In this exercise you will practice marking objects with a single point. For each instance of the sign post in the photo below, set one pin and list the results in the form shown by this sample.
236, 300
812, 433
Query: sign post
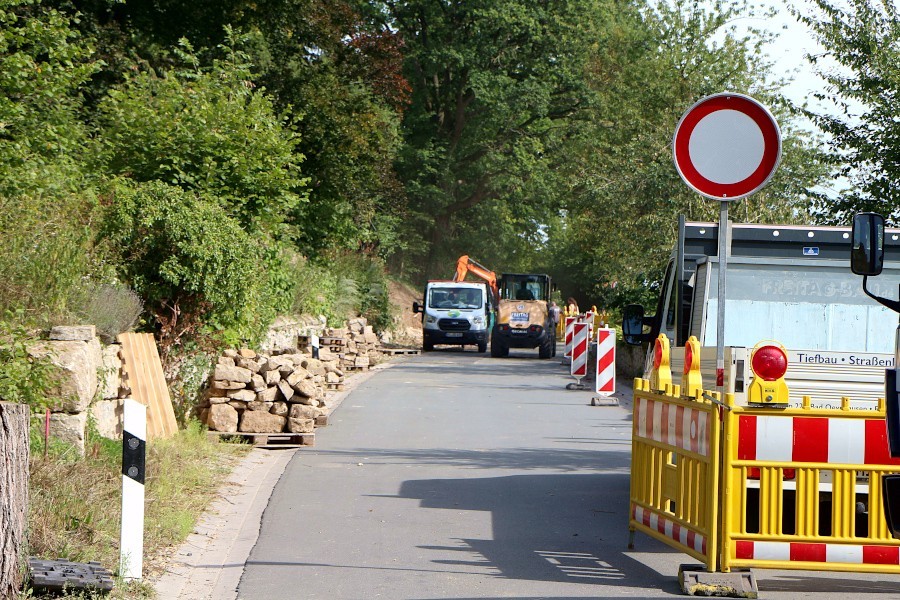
726, 147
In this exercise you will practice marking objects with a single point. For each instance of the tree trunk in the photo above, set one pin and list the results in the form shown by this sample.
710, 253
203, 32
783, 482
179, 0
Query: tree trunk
14, 454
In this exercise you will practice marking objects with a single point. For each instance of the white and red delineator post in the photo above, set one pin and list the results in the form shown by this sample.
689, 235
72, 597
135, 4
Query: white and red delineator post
580, 336
606, 362
570, 322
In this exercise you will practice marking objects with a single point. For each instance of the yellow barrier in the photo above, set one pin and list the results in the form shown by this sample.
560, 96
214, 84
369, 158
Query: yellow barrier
675, 471
802, 490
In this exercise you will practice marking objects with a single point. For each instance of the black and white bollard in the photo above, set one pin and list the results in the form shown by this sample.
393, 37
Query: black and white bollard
134, 451
314, 344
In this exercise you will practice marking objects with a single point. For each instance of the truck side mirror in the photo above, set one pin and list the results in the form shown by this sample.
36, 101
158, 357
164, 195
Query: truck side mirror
417, 308
890, 493
633, 324
867, 246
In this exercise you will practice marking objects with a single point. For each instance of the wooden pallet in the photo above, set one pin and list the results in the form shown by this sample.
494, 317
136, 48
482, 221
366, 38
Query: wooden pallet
334, 387
399, 351
322, 421
280, 440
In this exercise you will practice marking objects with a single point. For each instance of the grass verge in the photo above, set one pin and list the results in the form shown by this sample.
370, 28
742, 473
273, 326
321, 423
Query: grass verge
75, 505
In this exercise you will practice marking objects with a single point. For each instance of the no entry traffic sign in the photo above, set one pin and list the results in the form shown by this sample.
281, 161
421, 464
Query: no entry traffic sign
727, 146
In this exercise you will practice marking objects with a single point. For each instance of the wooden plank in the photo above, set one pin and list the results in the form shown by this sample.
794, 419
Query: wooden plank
143, 369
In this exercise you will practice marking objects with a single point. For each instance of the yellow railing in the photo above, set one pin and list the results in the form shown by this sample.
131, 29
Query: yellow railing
674, 474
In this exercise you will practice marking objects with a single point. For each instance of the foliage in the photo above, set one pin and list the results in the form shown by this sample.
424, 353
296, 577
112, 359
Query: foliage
112, 307
46, 202
192, 263
206, 129
497, 86
24, 379
863, 38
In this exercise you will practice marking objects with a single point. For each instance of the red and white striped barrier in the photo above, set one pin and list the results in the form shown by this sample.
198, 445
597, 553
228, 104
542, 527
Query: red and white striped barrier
570, 324
606, 362
683, 427
670, 529
814, 439
579, 350
820, 553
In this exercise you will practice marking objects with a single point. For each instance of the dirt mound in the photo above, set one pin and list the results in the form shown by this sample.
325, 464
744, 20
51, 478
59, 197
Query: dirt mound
407, 330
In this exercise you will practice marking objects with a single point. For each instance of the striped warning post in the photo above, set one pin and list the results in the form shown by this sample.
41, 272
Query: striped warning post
606, 362
134, 450
579, 350
570, 324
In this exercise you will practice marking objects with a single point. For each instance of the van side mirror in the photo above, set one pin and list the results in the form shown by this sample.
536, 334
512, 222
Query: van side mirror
417, 308
867, 246
633, 324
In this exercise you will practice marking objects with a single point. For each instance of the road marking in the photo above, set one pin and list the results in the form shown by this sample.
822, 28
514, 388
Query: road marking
581, 564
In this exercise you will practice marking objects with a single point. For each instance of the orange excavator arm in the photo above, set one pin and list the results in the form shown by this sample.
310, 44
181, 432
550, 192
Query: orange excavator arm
465, 265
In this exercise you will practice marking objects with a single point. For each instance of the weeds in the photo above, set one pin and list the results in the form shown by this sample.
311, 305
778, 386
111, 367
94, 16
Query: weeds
112, 308
75, 507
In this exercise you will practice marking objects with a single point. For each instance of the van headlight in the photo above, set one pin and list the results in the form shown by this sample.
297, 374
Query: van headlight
479, 321
430, 319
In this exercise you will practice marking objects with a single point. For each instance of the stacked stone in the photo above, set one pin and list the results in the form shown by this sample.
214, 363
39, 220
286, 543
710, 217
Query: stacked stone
258, 393
360, 347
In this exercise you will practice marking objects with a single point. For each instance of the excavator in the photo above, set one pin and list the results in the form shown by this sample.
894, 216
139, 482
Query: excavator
522, 314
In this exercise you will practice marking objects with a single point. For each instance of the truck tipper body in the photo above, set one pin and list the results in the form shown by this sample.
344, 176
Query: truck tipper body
790, 284
457, 313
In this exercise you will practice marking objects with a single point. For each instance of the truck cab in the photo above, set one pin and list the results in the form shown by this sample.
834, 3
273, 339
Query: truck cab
786, 283
458, 313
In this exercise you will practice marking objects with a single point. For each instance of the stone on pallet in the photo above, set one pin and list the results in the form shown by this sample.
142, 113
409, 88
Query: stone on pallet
226, 386
332, 378
246, 363
272, 377
297, 376
257, 383
257, 421
242, 395
301, 425
276, 363
225, 373
279, 408
222, 417
306, 388
287, 392
267, 395
302, 411
73, 333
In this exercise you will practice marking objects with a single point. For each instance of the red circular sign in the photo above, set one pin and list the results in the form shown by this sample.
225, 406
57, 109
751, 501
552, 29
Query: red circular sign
727, 146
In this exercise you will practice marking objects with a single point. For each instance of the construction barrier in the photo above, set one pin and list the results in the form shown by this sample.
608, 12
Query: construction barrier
674, 471
570, 330
758, 486
803, 490
605, 382
580, 337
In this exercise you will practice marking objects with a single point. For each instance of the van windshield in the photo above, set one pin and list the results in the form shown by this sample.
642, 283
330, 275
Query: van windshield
455, 297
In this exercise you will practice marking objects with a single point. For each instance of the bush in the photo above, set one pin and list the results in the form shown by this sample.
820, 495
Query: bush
112, 308
24, 379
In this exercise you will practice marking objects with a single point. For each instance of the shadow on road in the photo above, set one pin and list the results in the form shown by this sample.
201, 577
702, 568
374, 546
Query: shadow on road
547, 527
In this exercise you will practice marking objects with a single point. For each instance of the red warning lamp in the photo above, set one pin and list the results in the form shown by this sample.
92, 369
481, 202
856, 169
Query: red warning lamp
657, 354
769, 362
688, 358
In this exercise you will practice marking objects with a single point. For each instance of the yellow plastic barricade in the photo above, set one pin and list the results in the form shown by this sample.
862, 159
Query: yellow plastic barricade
802, 490
674, 471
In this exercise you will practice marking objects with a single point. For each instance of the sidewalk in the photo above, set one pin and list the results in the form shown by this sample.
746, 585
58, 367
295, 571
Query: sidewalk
210, 562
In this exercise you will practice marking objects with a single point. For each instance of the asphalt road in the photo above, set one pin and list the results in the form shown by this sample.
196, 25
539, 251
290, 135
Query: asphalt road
457, 476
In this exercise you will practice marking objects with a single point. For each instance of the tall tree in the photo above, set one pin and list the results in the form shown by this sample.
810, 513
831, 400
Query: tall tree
626, 195
863, 38
497, 85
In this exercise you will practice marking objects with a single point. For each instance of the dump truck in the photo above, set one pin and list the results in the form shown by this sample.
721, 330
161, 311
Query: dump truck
786, 283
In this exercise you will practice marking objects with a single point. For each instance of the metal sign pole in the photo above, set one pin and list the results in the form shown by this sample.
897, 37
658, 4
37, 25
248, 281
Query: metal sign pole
720, 299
